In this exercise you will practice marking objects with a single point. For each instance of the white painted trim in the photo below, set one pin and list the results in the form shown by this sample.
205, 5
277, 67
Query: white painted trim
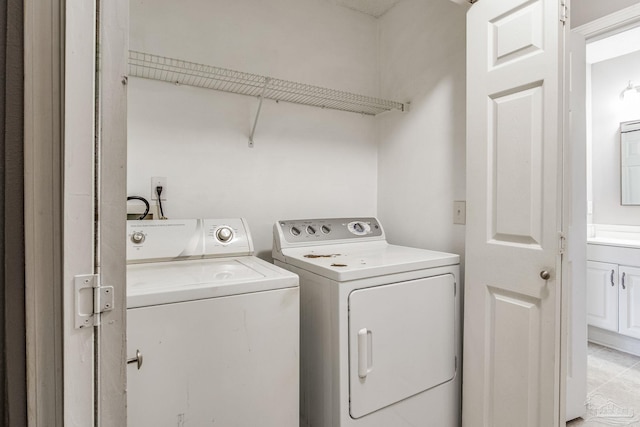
619, 19
112, 212
574, 270
78, 206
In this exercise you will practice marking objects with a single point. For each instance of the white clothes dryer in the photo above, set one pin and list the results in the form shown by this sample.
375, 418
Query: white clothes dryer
212, 331
380, 326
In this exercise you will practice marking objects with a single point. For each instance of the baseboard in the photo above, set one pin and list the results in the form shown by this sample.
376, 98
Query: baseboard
613, 340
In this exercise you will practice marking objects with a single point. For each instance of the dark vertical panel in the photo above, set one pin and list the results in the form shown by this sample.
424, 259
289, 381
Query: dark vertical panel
3, 84
12, 270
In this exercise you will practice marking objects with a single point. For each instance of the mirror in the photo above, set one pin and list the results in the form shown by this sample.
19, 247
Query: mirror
630, 162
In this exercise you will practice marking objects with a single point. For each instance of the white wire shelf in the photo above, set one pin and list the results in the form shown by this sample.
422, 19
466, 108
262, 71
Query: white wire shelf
172, 70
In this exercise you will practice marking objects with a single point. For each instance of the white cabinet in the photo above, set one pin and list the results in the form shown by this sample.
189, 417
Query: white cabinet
629, 301
602, 295
613, 289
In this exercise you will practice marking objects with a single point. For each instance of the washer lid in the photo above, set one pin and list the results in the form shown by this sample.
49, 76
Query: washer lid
176, 281
351, 261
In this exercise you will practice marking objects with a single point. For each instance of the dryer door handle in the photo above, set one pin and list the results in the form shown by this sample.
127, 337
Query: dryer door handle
365, 359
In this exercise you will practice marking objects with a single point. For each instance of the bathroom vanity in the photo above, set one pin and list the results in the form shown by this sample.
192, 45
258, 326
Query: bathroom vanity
613, 287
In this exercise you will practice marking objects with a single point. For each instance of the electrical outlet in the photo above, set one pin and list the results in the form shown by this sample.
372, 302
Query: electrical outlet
459, 212
159, 181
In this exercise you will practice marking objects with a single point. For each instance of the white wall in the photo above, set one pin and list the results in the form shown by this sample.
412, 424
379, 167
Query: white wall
608, 78
584, 11
422, 153
407, 168
307, 162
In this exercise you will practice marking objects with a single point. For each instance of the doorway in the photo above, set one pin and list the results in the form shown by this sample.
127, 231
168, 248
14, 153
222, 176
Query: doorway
613, 354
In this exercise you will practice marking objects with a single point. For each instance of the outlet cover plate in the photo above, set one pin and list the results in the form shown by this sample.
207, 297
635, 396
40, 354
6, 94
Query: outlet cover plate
159, 181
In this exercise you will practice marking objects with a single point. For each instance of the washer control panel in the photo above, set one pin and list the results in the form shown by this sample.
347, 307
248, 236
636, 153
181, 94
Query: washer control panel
190, 238
326, 230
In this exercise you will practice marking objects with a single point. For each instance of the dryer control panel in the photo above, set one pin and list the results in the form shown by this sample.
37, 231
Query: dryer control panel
327, 230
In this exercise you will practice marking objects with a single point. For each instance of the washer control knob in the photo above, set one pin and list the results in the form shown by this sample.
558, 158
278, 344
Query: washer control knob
325, 229
224, 234
137, 237
311, 230
295, 231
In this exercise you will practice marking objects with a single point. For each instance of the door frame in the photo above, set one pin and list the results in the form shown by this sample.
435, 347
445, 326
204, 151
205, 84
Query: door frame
595, 29
111, 200
574, 375
63, 382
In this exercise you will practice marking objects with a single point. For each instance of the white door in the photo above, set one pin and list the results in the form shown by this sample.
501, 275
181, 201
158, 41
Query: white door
95, 211
512, 354
629, 301
401, 341
602, 295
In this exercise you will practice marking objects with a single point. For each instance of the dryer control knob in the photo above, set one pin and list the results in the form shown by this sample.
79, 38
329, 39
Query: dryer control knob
137, 237
295, 231
359, 228
224, 234
311, 229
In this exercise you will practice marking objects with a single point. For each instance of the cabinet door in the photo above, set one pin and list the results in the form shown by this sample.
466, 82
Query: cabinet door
602, 295
629, 301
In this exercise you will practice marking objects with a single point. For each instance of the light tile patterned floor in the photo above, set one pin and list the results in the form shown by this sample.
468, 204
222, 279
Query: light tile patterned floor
613, 389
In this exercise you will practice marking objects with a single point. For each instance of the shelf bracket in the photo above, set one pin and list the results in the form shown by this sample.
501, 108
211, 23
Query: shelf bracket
255, 122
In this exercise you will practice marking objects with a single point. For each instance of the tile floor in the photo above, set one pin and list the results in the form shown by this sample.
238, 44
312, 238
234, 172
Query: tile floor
613, 389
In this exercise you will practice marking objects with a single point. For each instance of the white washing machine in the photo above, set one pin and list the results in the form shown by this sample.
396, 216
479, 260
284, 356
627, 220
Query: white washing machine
213, 332
380, 326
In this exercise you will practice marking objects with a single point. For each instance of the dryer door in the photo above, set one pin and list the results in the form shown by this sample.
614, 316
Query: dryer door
401, 341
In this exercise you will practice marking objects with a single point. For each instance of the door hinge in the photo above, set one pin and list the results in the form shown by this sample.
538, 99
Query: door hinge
92, 300
562, 243
564, 12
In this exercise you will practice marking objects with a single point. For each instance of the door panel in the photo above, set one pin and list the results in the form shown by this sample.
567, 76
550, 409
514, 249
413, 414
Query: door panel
514, 145
629, 292
516, 33
516, 183
602, 295
515, 321
401, 341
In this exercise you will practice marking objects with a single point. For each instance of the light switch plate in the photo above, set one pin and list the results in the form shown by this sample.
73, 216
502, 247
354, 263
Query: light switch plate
459, 212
